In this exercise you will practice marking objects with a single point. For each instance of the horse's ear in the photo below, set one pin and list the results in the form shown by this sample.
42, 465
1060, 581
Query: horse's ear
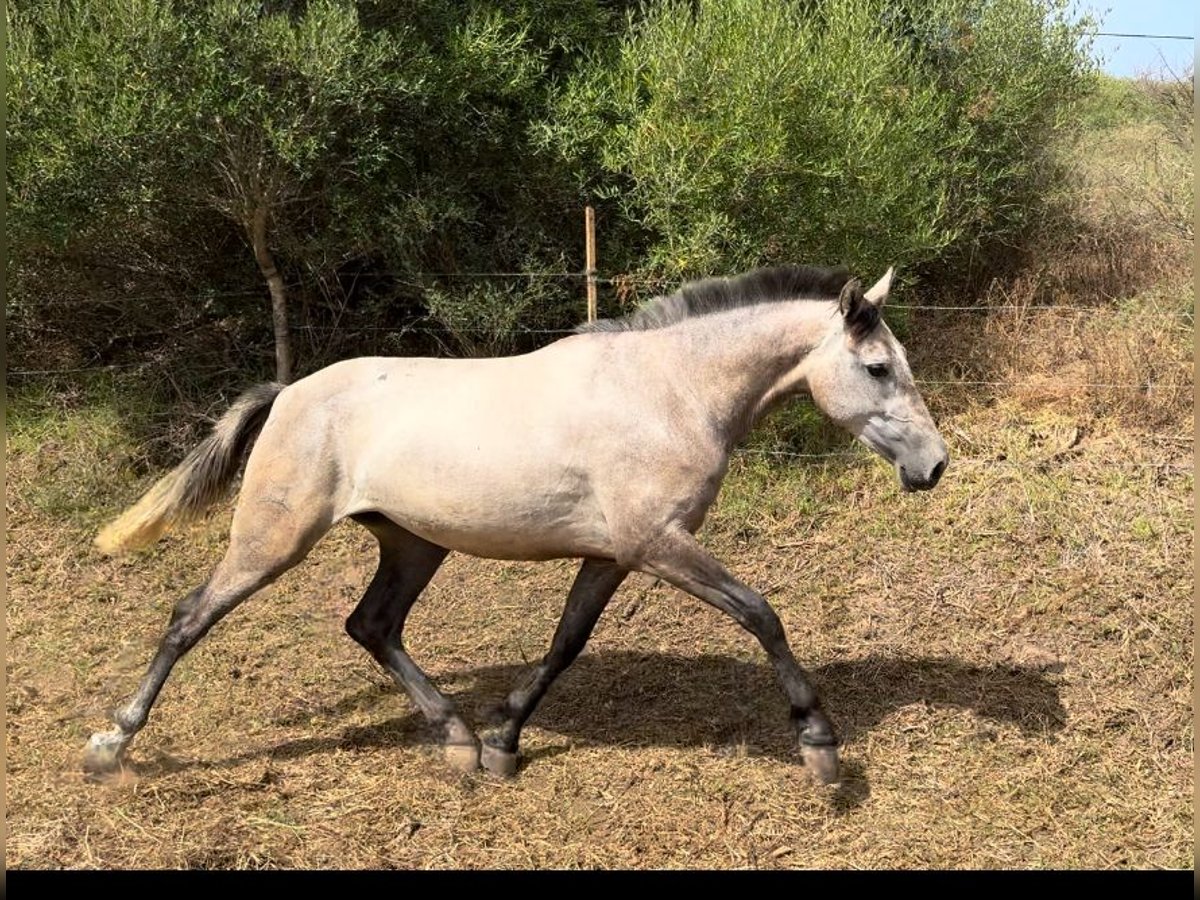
850, 298
879, 290
859, 313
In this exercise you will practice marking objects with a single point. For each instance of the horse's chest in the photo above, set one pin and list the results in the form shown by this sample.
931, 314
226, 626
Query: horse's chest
704, 489
679, 490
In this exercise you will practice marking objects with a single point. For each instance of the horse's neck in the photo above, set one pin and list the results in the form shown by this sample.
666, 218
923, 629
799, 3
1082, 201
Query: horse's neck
741, 363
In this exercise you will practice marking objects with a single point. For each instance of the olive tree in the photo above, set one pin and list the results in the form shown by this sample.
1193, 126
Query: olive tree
140, 111
864, 132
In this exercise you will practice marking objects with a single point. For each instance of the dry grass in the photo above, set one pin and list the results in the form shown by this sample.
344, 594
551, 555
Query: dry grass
1129, 362
1009, 658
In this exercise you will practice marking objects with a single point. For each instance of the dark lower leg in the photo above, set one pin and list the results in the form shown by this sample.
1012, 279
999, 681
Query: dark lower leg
687, 565
812, 726
406, 565
190, 621
593, 588
437, 708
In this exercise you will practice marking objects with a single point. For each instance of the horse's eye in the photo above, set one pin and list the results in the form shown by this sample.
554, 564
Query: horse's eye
877, 370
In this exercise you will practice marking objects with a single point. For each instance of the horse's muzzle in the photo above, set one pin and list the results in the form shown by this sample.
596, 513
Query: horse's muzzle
911, 482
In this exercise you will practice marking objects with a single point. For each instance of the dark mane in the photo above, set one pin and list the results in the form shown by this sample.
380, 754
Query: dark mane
713, 295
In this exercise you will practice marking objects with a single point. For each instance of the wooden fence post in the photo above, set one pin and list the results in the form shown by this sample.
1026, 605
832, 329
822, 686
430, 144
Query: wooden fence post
589, 221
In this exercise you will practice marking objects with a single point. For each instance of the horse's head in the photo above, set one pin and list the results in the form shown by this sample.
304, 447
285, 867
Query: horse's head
859, 377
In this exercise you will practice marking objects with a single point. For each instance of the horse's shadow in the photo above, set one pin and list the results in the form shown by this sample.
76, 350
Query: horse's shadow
663, 700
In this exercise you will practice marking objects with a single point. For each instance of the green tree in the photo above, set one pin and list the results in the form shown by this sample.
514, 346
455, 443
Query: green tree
289, 110
866, 132
314, 148
138, 111
391, 138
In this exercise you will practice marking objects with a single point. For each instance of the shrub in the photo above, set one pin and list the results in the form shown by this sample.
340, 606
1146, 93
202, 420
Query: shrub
871, 133
345, 145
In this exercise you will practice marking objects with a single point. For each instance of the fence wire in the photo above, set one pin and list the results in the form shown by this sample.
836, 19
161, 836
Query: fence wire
68, 302
229, 361
958, 461
1144, 386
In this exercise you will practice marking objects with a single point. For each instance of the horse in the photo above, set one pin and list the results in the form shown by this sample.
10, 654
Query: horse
608, 446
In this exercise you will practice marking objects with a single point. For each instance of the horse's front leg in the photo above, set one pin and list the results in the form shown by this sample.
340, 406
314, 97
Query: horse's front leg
678, 558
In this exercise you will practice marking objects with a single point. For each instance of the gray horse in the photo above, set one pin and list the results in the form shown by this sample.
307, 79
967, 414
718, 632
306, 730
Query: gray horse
609, 445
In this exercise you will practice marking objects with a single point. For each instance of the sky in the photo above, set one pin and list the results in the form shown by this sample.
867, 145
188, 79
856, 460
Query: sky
1136, 56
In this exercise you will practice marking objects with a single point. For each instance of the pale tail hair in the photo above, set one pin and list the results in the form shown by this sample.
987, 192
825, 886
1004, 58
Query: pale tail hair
202, 479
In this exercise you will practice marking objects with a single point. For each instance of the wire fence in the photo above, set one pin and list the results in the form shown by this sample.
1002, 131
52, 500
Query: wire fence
1025, 464
422, 279
1142, 386
514, 332
853, 453
225, 360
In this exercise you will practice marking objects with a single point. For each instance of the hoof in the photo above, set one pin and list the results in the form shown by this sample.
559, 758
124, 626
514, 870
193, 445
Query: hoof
822, 762
498, 762
463, 757
102, 755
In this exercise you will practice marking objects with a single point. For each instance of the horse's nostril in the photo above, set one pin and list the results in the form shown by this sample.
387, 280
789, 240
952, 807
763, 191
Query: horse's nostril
937, 471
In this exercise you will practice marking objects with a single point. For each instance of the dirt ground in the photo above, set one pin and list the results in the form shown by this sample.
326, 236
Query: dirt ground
1008, 659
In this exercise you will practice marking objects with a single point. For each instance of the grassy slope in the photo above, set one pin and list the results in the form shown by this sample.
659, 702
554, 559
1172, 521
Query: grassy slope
1009, 658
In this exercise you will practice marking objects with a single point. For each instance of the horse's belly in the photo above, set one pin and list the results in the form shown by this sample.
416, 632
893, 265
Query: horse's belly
502, 459
528, 545
495, 518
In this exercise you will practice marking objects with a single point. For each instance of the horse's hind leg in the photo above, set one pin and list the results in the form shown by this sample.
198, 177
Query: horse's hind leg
594, 586
406, 565
263, 545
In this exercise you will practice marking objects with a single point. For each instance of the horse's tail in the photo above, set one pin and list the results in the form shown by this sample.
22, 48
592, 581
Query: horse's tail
199, 481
